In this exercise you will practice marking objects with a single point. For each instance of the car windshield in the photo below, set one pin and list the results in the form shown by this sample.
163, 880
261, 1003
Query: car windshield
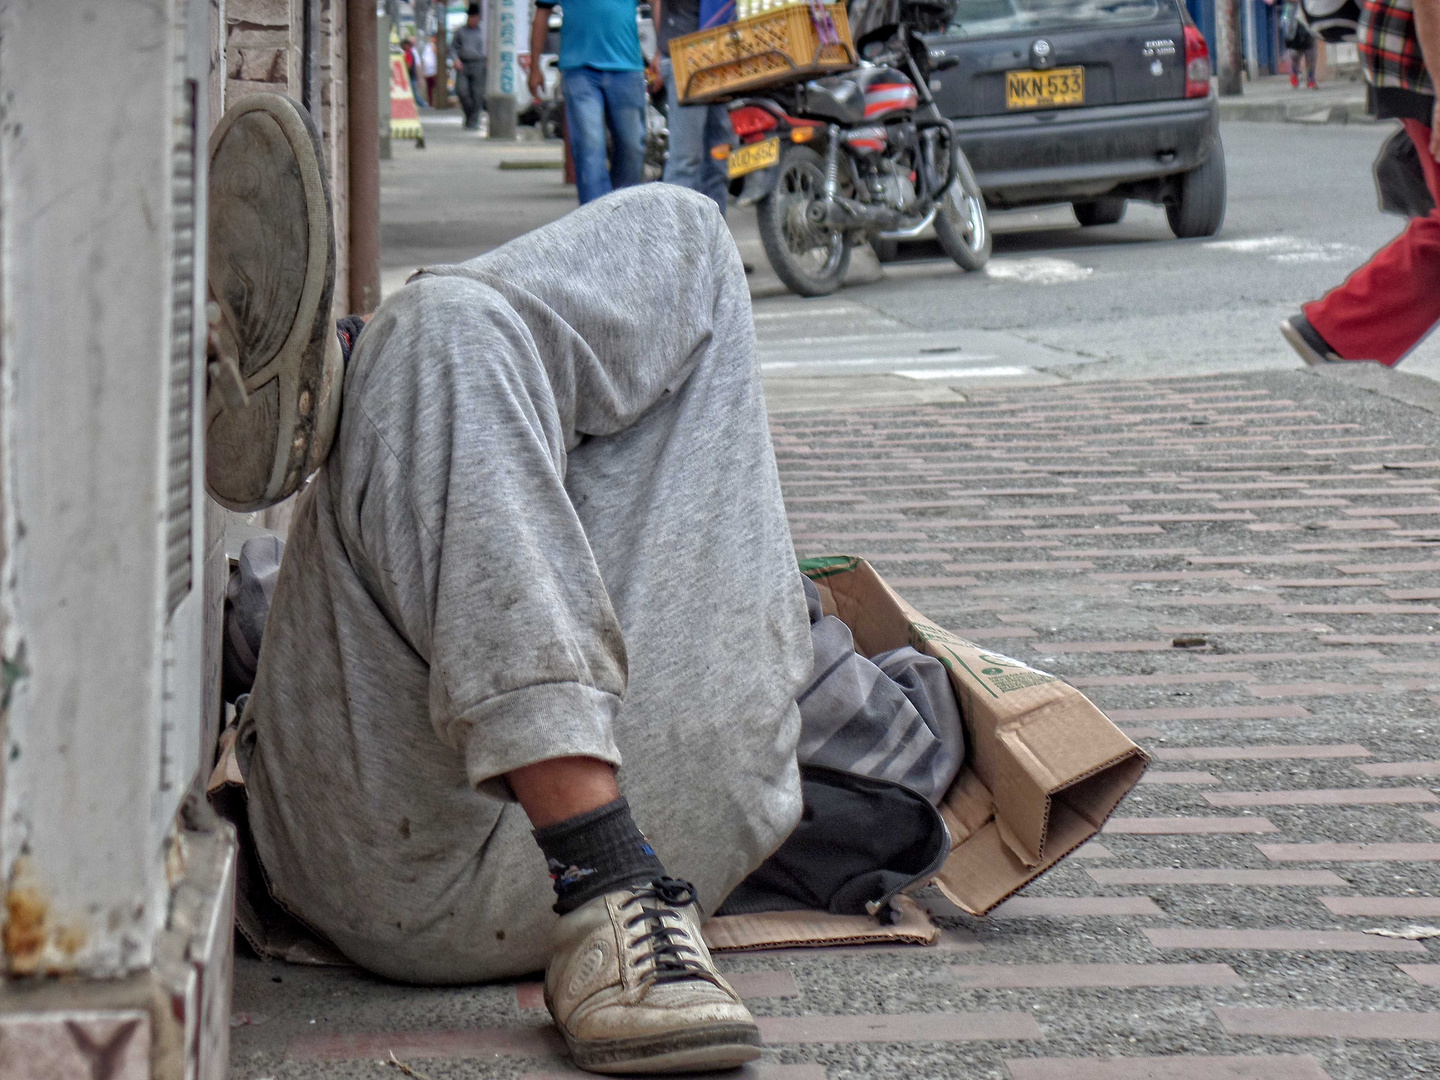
980, 18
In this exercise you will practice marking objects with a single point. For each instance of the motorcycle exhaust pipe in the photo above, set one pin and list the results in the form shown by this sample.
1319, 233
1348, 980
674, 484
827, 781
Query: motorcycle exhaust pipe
913, 231
843, 213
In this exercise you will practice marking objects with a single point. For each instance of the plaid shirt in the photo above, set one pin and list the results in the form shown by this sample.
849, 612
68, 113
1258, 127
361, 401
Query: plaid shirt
1389, 47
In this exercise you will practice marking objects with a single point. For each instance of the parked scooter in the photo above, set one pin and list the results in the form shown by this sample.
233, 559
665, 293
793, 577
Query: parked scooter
861, 155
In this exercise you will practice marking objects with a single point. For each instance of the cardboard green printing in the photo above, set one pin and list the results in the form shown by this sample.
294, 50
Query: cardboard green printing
1044, 767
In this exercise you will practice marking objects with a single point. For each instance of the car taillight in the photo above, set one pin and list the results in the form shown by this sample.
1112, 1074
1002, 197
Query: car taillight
1197, 64
751, 120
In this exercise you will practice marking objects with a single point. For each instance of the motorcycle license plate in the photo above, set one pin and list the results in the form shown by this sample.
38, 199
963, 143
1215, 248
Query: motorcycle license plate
754, 157
1044, 89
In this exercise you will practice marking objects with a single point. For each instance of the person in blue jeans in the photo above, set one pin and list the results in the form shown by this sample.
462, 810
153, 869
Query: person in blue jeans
604, 87
693, 129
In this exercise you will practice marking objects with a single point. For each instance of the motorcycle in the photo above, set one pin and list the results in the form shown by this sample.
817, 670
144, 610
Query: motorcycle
864, 155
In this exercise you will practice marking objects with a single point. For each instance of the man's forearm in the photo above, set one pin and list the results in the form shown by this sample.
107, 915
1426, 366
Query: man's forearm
539, 31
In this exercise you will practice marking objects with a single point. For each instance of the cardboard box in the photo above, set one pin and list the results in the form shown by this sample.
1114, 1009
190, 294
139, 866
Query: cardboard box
810, 929
1044, 767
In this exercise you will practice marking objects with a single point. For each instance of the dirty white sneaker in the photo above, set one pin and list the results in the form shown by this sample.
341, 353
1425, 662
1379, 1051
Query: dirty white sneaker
632, 988
275, 381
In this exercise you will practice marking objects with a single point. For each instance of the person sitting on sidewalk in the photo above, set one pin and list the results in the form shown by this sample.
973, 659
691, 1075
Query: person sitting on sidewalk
1388, 306
468, 49
544, 561
692, 129
604, 87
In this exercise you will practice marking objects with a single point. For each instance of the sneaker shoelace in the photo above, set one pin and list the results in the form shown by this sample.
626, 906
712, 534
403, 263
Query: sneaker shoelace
668, 945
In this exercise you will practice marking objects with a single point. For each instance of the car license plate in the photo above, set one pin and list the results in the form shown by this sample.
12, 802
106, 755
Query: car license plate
1042, 89
755, 156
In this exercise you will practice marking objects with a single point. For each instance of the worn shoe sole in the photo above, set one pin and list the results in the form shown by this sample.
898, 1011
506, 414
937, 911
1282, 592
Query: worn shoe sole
1301, 346
271, 270
696, 1049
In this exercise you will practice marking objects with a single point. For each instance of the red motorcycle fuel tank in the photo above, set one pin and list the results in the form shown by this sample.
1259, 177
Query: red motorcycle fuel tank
887, 92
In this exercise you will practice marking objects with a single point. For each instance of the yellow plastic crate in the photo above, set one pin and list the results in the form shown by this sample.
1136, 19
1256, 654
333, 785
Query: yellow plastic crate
776, 47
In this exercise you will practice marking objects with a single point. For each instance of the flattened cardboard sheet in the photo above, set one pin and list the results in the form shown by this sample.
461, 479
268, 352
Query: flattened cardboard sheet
814, 929
1044, 767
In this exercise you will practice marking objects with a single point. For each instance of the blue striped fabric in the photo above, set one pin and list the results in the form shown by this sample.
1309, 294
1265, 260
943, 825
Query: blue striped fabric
893, 717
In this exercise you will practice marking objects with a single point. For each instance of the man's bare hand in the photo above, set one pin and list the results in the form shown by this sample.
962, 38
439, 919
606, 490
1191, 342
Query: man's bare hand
1435, 131
539, 33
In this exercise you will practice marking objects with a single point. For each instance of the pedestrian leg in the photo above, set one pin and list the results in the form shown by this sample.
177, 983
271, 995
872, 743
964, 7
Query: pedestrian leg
585, 121
687, 157
1385, 308
464, 90
716, 177
625, 103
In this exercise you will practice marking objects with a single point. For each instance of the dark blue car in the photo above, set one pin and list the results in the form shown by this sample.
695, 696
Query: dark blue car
1090, 102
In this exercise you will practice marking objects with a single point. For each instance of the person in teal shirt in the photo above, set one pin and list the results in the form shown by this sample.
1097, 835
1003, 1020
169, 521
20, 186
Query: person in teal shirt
604, 87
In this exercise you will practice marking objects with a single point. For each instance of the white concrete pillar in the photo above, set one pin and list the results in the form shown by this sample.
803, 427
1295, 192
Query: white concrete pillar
102, 255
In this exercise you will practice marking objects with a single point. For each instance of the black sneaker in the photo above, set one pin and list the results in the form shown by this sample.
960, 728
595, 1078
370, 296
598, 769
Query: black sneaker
1306, 341
274, 396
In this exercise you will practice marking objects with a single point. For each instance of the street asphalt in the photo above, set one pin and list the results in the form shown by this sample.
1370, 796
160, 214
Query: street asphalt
1056, 303
1096, 447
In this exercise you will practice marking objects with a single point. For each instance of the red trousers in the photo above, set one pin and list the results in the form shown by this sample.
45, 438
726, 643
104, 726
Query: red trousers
1387, 306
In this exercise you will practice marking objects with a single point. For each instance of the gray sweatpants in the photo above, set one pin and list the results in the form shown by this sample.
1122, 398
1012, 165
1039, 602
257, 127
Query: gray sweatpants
551, 525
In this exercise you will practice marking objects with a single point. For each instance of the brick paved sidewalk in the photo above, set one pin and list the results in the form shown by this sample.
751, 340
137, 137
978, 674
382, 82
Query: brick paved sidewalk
1281, 519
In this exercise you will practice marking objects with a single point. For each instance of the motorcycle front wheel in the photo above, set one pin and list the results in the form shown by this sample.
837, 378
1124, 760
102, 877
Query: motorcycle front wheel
810, 259
960, 222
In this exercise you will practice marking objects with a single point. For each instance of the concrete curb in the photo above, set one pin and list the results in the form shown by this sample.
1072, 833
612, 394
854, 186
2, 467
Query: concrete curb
1414, 390
1349, 111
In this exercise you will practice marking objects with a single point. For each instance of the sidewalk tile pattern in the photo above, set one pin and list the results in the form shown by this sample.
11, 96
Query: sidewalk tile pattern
1274, 937
758, 1070
1401, 768
1217, 876
1188, 826
1000, 976
898, 1027
1279, 526
1331, 1024
1177, 1067
1029, 907
1351, 852
1322, 797
1399, 907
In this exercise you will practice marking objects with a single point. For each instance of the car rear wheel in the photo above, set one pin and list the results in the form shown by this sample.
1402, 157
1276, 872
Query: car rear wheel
1200, 208
1099, 211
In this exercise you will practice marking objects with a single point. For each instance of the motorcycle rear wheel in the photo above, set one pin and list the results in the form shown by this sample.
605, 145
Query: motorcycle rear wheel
961, 225
810, 259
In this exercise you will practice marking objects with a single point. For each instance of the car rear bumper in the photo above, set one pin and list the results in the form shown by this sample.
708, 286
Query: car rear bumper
1083, 153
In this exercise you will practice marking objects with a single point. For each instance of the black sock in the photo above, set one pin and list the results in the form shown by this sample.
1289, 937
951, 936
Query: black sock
596, 852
